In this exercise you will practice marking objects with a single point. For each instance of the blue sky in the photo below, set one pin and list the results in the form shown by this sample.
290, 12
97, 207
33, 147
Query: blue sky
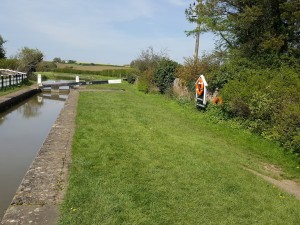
99, 31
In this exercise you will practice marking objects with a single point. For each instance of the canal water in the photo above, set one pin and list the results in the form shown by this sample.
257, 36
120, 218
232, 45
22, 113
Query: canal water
23, 129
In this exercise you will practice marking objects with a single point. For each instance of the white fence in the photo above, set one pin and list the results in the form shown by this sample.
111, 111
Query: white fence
10, 78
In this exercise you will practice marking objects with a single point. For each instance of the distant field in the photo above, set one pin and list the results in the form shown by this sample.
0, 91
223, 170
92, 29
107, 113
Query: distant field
95, 67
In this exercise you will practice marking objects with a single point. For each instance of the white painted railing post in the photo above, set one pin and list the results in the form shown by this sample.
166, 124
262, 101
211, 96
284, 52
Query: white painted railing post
118, 81
39, 79
77, 79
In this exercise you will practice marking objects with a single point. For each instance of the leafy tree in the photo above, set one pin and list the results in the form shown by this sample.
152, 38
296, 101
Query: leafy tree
71, 61
57, 60
253, 26
2, 50
29, 59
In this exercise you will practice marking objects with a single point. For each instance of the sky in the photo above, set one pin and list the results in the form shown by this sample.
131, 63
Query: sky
99, 31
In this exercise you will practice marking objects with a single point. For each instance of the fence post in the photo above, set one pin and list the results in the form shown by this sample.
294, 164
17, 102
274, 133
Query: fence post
9, 80
2, 81
39, 79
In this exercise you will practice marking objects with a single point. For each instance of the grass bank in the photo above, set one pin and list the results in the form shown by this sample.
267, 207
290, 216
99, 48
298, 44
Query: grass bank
15, 88
142, 159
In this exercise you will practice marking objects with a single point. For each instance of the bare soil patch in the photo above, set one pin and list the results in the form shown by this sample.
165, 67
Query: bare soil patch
289, 186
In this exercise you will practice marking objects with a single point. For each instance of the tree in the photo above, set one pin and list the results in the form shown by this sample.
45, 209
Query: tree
57, 60
29, 59
252, 26
193, 15
2, 50
72, 61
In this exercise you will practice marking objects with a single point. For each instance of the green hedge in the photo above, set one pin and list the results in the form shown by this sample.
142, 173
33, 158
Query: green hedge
9, 64
268, 102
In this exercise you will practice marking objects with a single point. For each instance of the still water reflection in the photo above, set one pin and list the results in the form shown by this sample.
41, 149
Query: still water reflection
23, 130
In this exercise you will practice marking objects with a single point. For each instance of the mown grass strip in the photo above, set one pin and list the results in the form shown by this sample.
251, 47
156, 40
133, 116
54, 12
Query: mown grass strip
142, 159
14, 88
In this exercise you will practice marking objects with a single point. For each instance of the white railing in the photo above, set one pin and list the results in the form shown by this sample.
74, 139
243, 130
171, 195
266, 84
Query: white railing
10, 78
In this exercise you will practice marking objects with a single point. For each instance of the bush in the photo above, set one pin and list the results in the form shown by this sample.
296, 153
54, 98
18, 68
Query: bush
148, 59
268, 101
9, 64
46, 66
146, 81
164, 74
131, 77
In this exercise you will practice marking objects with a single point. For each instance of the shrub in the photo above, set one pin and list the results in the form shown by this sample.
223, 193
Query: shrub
188, 73
9, 64
164, 74
46, 66
148, 59
146, 81
131, 78
268, 101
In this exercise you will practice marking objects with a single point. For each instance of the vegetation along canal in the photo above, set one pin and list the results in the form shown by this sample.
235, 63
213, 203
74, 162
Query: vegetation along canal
23, 130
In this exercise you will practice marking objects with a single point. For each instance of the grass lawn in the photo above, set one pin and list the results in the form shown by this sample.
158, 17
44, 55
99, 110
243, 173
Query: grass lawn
143, 159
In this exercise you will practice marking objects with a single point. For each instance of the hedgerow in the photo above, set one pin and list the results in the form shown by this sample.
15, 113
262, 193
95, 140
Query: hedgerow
9, 64
268, 102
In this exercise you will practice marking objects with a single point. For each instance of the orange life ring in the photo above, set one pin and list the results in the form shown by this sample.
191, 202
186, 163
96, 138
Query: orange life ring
199, 86
218, 100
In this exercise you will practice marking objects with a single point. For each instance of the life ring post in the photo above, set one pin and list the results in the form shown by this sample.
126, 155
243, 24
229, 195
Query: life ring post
201, 90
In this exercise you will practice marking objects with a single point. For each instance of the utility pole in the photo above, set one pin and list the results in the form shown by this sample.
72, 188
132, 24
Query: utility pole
197, 43
196, 16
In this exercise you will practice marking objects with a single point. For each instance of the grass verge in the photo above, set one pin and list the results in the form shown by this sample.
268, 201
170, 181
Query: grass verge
142, 159
15, 88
